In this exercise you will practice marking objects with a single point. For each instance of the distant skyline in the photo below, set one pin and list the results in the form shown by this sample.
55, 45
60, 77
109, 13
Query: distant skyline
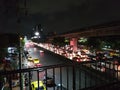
59, 16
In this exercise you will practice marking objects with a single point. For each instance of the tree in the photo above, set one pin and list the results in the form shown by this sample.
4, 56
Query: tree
94, 43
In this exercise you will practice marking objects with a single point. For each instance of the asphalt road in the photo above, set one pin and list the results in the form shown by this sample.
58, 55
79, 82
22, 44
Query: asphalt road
83, 78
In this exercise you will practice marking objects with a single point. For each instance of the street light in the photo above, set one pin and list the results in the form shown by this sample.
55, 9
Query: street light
37, 33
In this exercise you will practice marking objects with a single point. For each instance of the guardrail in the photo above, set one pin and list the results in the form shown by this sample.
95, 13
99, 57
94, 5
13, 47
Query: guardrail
59, 77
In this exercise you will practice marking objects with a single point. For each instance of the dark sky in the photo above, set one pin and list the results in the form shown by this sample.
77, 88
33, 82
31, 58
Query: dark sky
56, 15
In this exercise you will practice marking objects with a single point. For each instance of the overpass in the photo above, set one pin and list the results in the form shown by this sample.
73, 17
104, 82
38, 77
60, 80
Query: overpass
109, 29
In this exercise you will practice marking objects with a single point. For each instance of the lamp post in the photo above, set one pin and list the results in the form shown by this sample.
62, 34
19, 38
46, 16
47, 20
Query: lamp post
38, 33
20, 62
37, 36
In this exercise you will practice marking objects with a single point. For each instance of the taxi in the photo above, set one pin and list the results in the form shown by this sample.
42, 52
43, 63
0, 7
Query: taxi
30, 58
36, 61
34, 85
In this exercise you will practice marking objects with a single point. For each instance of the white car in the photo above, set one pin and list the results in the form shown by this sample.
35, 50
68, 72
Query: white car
98, 67
15, 83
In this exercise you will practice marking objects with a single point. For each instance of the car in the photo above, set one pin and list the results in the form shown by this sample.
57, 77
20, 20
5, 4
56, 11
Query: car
15, 83
34, 85
30, 58
38, 65
76, 59
36, 61
99, 67
41, 53
49, 81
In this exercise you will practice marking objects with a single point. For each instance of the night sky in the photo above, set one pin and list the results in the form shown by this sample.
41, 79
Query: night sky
56, 15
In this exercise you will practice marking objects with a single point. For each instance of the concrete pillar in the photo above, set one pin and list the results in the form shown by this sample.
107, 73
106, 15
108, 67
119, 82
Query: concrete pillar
73, 42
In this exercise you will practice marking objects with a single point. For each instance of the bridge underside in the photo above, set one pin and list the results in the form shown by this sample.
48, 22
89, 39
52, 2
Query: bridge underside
109, 31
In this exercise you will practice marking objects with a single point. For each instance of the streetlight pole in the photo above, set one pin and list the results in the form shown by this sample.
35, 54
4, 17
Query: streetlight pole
20, 63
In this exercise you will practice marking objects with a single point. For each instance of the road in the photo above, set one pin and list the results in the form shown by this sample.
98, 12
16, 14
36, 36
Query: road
83, 78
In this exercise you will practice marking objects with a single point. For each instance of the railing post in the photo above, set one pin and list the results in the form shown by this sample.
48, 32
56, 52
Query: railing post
46, 78
29, 74
10, 81
67, 77
61, 77
54, 77
38, 79
21, 82
74, 76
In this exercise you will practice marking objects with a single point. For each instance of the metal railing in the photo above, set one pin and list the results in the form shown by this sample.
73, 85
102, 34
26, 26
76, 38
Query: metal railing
74, 76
